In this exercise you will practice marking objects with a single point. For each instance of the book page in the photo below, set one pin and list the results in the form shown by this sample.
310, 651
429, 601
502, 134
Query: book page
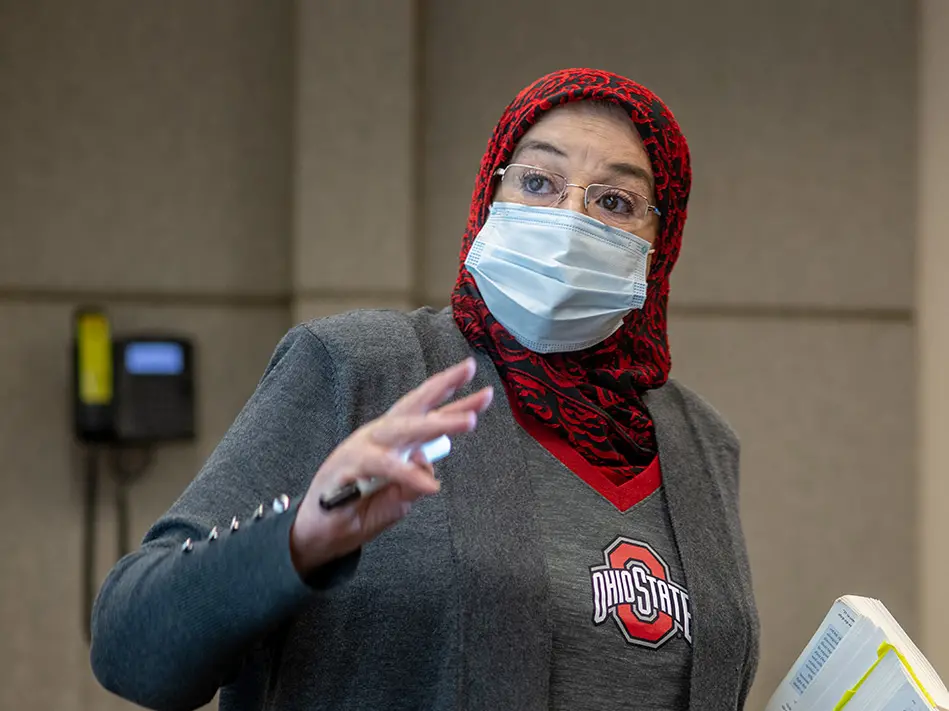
843, 649
835, 627
906, 698
878, 689
855, 657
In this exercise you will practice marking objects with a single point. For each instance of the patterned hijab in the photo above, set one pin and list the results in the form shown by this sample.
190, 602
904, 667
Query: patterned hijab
591, 398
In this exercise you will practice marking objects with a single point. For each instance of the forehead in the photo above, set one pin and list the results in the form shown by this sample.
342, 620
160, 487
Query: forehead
590, 130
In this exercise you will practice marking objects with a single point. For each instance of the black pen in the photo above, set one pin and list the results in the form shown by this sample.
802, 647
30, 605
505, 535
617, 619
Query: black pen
433, 451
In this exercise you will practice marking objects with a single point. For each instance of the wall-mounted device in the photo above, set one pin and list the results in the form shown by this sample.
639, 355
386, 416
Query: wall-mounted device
154, 389
129, 394
134, 389
92, 376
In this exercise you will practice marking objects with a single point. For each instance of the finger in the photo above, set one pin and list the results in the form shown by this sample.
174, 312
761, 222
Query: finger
387, 465
436, 389
419, 460
385, 509
403, 433
406, 498
476, 402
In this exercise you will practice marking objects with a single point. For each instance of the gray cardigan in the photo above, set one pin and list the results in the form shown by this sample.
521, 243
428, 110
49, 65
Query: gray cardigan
446, 610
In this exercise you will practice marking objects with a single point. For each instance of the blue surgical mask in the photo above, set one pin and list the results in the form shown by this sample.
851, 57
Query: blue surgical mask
557, 280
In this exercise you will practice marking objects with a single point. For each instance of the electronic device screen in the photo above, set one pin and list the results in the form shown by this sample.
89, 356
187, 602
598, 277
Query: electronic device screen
154, 358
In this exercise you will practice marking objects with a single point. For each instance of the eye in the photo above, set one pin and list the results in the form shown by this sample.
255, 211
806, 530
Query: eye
537, 183
617, 202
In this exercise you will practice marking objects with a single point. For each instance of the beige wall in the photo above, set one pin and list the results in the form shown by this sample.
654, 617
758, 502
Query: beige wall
932, 294
145, 155
355, 213
229, 167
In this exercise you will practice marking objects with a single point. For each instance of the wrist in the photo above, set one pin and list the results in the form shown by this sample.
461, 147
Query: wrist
308, 549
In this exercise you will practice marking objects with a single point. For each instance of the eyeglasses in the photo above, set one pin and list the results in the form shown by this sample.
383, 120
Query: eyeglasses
617, 207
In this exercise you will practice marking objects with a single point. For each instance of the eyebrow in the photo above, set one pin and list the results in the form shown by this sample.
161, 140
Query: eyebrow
632, 171
535, 145
624, 169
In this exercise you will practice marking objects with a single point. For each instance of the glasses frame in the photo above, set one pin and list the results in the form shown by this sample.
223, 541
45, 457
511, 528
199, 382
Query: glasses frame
650, 208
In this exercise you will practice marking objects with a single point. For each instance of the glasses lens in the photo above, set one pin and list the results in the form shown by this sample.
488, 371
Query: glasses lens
616, 206
532, 186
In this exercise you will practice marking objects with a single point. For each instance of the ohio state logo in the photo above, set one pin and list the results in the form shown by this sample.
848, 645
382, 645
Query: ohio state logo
634, 588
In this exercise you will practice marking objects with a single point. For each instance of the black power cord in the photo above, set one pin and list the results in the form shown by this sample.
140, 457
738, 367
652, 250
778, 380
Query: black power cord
91, 495
128, 464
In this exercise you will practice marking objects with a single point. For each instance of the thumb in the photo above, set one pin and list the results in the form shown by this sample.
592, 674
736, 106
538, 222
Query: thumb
386, 508
419, 459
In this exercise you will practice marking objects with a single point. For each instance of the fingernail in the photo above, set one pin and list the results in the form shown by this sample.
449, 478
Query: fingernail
406, 507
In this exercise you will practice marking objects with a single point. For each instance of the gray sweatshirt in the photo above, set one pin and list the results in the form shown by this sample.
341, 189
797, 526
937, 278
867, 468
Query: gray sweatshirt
449, 609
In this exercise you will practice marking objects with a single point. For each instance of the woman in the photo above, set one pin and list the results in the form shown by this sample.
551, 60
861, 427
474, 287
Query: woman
585, 549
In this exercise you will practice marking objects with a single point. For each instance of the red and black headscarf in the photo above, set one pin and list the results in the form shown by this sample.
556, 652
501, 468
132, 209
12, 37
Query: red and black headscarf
592, 398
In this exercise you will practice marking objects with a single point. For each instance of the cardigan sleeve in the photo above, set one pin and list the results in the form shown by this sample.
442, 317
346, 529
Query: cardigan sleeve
174, 620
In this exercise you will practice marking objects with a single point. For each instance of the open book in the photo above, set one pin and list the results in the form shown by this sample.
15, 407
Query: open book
860, 659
